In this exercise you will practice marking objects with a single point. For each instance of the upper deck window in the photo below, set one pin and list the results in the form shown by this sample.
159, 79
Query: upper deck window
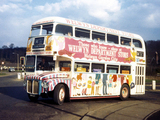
112, 38
64, 30
137, 43
82, 33
47, 29
125, 41
98, 36
35, 30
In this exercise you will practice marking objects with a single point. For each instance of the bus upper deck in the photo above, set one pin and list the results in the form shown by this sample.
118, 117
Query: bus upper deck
43, 34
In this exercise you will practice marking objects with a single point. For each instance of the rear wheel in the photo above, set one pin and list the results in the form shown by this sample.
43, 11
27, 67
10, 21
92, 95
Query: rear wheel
33, 97
125, 93
59, 94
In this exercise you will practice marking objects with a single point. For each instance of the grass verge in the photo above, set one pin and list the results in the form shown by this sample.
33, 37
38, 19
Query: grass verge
2, 74
150, 81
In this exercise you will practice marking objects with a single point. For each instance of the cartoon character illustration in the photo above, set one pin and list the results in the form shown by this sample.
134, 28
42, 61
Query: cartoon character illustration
84, 87
49, 42
134, 53
114, 77
110, 86
84, 84
92, 88
98, 76
131, 83
89, 85
115, 89
100, 84
105, 84
74, 82
79, 84
119, 81
122, 79
133, 56
29, 45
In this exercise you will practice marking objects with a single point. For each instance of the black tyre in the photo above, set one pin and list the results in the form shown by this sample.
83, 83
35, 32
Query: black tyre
59, 94
125, 92
33, 98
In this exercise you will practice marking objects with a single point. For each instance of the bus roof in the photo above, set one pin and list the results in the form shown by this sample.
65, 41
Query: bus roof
85, 25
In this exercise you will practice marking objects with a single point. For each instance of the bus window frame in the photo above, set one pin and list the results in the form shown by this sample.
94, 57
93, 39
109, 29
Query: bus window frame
60, 67
111, 65
110, 41
89, 32
124, 39
46, 25
96, 68
82, 63
34, 26
130, 68
99, 34
66, 34
137, 40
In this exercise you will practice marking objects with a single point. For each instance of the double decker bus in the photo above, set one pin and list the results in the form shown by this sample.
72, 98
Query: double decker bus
68, 59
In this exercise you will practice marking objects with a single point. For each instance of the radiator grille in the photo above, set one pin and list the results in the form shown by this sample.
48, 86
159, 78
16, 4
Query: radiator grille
32, 86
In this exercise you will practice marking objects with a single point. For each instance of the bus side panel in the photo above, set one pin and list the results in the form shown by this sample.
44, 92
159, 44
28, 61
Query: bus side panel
98, 84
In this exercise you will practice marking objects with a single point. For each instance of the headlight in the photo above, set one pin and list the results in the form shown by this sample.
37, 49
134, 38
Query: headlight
24, 82
44, 84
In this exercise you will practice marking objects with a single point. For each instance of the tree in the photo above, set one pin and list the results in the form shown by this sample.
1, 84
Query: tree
4, 47
11, 46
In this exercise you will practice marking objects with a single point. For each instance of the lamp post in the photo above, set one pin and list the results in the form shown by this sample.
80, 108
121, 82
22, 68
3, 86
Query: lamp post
2, 66
17, 60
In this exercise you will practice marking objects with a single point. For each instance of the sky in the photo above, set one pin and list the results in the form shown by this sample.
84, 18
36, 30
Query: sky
135, 16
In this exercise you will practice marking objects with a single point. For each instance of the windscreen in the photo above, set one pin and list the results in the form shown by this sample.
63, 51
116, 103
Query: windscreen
35, 30
30, 64
46, 29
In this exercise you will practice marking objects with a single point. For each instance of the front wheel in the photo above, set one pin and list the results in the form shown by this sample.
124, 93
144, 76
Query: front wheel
59, 94
125, 92
33, 98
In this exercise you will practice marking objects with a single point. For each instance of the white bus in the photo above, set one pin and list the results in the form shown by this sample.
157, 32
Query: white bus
68, 59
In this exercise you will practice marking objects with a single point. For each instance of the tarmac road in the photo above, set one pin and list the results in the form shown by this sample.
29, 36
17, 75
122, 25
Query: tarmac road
14, 104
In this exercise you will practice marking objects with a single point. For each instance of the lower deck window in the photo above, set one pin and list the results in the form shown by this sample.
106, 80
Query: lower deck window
125, 69
112, 68
65, 65
97, 67
45, 63
81, 67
